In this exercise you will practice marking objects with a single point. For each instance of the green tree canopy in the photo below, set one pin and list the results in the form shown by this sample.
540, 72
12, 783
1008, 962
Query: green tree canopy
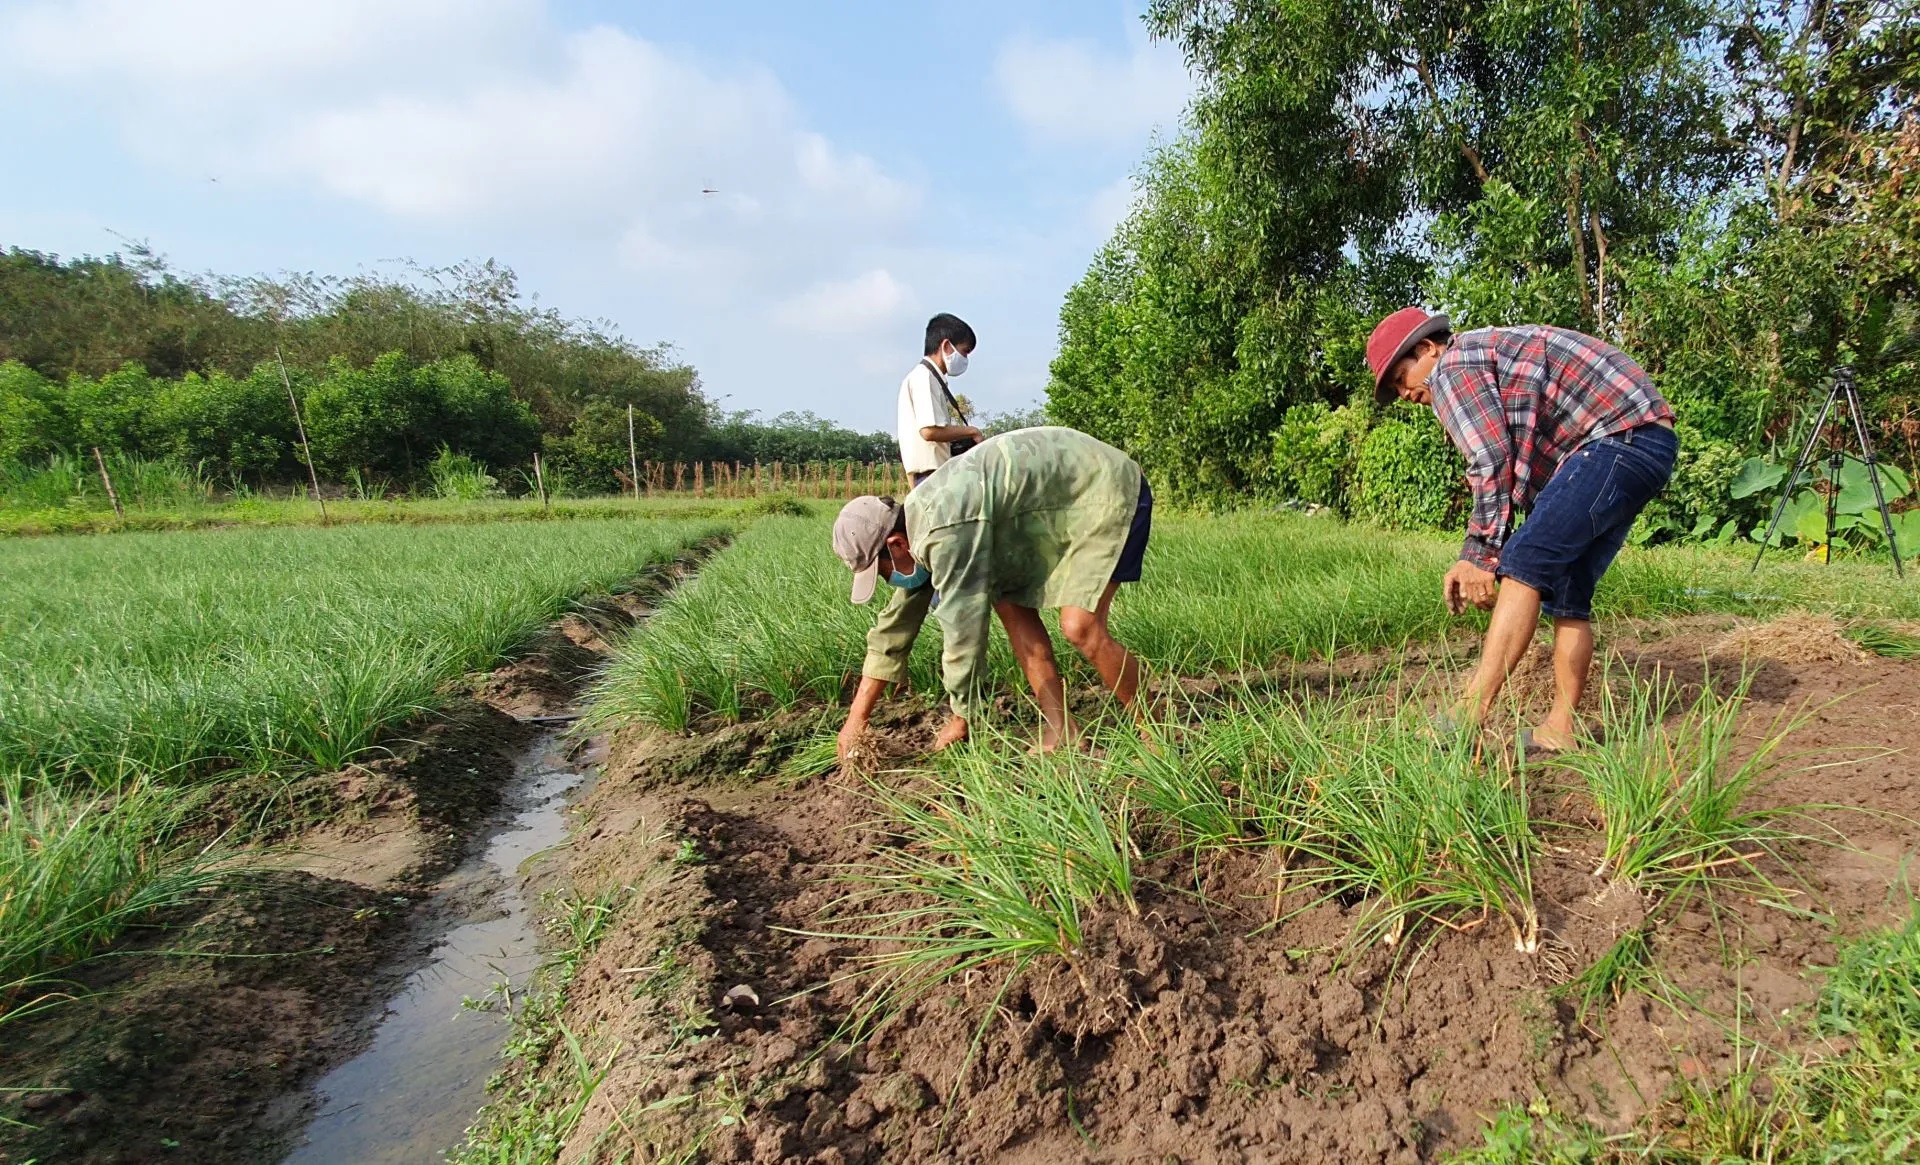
1721, 186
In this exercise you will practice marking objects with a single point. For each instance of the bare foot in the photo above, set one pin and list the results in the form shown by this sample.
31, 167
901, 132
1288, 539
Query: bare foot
1553, 739
951, 734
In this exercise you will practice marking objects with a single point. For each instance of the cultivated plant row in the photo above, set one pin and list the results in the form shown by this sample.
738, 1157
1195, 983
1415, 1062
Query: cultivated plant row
767, 625
1004, 860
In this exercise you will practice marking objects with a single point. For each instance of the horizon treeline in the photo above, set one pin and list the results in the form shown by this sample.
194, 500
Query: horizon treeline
124, 353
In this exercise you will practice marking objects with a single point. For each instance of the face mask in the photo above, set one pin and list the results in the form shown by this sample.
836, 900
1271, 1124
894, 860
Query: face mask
957, 363
910, 582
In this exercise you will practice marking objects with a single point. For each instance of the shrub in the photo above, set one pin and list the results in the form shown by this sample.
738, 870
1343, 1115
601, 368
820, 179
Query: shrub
594, 452
33, 423
478, 413
230, 428
1315, 450
459, 477
1407, 476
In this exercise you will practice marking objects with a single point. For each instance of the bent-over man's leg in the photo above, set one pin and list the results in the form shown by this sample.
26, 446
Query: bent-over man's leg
1572, 663
1088, 632
1516, 615
1555, 562
1033, 648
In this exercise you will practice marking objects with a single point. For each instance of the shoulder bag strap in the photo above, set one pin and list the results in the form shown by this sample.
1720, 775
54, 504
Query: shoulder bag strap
942, 382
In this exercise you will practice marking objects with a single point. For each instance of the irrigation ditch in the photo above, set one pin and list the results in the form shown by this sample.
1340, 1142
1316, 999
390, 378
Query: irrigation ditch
344, 997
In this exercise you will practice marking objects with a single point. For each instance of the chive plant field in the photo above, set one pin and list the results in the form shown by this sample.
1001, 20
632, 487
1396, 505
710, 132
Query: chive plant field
1323, 828
1332, 810
162, 654
136, 669
768, 625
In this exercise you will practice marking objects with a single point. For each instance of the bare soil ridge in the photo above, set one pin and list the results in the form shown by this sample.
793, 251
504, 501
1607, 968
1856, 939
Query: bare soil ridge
1189, 1033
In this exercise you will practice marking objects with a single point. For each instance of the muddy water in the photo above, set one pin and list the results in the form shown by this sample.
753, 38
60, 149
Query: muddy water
410, 1097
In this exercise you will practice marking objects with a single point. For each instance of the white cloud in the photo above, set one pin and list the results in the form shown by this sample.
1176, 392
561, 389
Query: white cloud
343, 131
506, 119
1076, 92
864, 303
197, 51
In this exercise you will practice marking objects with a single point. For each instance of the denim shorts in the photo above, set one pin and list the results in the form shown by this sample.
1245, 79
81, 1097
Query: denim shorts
1134, 553
1580, 521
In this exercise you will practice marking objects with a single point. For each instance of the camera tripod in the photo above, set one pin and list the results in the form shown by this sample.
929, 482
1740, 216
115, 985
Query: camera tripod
1843, 386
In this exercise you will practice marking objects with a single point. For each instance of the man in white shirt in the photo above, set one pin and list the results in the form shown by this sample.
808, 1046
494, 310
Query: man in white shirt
929, 420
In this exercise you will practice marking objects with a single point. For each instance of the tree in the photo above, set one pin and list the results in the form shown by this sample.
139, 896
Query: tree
593, 454
1717, 185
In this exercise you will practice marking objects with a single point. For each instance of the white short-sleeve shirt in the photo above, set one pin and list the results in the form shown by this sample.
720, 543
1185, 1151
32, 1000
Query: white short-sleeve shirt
922, 405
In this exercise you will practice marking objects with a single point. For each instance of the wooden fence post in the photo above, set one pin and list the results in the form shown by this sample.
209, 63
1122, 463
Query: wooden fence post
108, 482
300, 423
633, 456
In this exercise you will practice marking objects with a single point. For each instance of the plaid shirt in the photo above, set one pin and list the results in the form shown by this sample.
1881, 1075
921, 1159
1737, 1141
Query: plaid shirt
1517, 401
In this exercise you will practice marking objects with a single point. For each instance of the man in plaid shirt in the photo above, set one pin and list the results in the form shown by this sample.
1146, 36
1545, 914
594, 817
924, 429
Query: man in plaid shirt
1554, 424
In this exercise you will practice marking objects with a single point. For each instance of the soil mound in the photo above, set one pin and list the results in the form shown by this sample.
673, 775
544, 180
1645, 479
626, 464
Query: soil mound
1201, 1030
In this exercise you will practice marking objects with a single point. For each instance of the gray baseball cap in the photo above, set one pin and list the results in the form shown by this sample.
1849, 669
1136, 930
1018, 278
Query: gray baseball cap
858, 535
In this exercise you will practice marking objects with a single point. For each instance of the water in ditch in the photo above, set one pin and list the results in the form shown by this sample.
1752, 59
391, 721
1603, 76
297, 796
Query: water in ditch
410, 1096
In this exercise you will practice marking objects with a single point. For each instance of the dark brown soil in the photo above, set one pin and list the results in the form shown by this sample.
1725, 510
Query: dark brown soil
198, 1037
1196, 1032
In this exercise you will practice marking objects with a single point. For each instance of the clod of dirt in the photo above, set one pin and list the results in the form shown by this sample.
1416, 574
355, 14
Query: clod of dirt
1797, 638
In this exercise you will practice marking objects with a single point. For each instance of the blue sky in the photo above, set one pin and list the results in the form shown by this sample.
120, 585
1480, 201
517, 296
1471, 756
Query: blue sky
875, 162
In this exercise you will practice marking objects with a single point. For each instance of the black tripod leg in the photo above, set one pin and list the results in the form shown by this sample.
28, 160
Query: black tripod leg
1793, 479
1873, 475
1836, 462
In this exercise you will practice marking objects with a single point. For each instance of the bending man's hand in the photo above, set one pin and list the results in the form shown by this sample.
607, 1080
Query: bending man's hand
1469, 586
865, 697
850, 734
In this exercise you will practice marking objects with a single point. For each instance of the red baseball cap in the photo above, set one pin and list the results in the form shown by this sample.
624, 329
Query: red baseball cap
1393, 338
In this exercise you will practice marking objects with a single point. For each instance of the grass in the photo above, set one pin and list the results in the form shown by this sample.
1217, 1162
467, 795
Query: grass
133, 669
1002, 855
76, 867
1423, 831
34, 520
173, 656
767, 625
1893, 642
1626, 966
1856, 1097
992, 871
1358, 799
1670, 794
